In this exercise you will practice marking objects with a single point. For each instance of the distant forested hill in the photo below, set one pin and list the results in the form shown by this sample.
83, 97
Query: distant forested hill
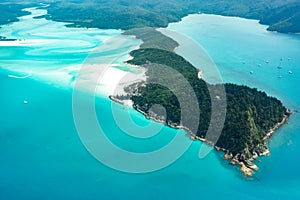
284, 19
281, 15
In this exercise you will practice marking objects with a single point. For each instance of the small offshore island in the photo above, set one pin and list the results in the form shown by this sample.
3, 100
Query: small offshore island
251, 118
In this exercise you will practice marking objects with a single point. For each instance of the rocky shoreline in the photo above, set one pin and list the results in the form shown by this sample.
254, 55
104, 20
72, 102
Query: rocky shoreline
243, 159
247, 167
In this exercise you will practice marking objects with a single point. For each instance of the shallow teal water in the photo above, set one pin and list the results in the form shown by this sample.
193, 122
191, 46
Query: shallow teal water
52, 53
240, 46
42, 156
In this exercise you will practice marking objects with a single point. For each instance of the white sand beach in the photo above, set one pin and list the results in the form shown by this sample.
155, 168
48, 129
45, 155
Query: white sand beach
107, 79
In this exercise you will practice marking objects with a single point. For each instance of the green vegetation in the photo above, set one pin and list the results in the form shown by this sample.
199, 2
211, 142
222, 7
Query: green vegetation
284, 19
250, 116
250, 113
153, 39
281, 15
10, 12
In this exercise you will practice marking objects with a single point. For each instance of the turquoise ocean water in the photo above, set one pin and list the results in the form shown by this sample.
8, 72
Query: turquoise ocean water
42, 156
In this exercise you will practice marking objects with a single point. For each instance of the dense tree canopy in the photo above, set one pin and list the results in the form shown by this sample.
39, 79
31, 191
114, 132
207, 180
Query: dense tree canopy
250, 113
281, 15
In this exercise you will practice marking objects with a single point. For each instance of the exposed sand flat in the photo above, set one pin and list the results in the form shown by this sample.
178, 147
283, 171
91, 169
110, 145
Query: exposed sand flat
128, 79
107, 79
57, 54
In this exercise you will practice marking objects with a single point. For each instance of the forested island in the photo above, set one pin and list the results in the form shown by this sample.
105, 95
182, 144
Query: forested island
251, 117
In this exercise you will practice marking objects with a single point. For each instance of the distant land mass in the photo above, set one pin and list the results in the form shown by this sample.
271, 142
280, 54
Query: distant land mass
10, 12
281, 15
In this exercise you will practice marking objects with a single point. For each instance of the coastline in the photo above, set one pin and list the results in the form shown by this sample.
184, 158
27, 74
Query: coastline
277, 176
244, 167
247, 167
196, 55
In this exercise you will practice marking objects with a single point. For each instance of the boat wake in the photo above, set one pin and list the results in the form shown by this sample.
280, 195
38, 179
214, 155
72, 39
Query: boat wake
19, 77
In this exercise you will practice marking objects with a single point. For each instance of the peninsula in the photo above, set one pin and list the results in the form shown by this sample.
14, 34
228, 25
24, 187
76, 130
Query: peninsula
251, 117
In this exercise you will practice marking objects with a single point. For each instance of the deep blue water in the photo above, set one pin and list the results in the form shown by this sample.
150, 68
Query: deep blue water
42, 156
